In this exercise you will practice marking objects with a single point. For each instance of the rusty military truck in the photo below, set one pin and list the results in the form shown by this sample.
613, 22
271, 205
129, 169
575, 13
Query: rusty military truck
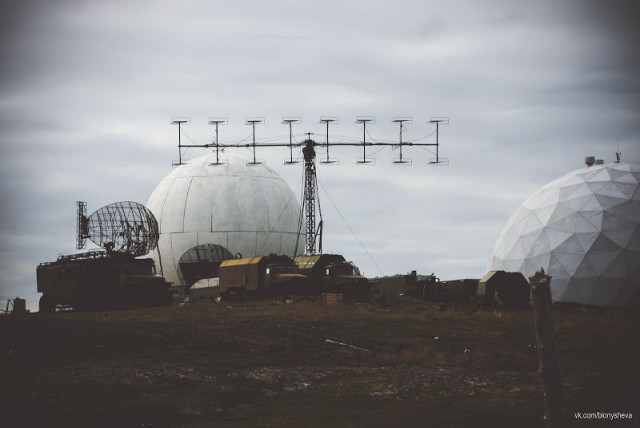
264, 275
332, 273
98, 280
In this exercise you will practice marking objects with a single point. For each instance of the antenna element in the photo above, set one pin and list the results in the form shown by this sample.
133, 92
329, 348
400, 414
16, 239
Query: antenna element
327, 120
217, 121
438, 121
290, 121
180, 121
364, 120
401, 121
252, 121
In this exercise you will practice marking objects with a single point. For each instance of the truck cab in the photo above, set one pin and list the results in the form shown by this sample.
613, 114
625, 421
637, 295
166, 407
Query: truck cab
282, 277
332, 273
272, 274
344, 277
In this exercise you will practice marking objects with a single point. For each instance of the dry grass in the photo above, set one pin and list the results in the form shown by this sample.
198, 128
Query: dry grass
269, 364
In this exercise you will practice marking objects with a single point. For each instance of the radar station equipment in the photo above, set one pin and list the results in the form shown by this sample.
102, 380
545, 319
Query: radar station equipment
310, 200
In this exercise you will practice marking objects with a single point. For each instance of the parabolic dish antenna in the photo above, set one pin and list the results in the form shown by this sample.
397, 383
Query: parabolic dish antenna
120, 227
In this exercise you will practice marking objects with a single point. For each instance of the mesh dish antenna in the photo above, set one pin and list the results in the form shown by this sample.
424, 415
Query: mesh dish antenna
120, 227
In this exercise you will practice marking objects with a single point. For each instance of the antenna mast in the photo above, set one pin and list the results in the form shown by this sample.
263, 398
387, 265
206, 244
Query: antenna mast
310, 192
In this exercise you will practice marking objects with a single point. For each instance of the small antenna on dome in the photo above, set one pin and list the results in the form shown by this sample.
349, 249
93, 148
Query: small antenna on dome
618, 152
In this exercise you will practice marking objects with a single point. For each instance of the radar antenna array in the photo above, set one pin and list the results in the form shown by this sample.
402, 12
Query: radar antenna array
313, 234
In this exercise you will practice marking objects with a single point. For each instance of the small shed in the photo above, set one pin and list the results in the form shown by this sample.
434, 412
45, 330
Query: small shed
506, 289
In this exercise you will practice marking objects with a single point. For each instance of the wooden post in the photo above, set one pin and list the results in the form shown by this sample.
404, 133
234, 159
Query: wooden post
549, 369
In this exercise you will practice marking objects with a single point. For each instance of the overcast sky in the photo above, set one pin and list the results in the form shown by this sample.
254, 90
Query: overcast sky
87, 91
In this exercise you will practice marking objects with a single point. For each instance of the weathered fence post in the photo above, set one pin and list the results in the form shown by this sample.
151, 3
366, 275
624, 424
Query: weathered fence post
549, 369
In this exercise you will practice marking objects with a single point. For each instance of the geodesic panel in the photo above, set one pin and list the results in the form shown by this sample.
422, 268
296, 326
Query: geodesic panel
584, 230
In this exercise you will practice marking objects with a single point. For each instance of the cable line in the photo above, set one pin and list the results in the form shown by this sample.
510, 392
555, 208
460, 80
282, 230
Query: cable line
351, 230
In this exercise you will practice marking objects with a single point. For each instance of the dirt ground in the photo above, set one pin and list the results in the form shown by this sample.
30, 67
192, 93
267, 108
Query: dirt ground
381, 363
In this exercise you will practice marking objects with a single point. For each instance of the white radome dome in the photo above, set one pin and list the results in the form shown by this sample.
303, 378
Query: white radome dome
240, 209
584, 230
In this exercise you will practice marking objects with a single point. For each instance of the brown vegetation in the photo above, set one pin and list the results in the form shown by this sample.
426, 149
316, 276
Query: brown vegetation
270, 364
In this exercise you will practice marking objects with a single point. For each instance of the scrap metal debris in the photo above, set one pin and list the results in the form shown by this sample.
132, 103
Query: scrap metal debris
333, 342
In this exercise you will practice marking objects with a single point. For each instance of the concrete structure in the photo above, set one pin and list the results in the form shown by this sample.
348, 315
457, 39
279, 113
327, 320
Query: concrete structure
584, 230
242, 209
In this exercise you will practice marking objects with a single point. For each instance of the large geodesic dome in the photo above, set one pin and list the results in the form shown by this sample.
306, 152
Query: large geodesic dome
584, 230
208, 211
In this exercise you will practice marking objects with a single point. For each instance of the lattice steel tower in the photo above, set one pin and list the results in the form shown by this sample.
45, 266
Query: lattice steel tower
310, 196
